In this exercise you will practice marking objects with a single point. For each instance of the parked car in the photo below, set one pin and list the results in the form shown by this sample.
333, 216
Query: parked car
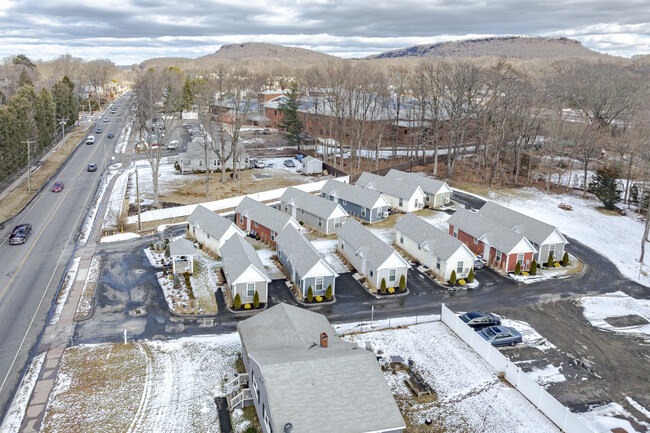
478, 320
111, 135
92, 167
57, 187
266, 131
20, 234
478, 264
172, 144
289, 163
260, 164
501, 335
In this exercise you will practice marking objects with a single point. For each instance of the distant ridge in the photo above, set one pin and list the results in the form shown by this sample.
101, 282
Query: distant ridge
517, 47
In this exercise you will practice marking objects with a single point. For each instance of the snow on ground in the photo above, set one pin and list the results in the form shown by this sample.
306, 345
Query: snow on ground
148, 386
86, 302
545, 274
168, 181
470, 396
376, 325
603, 419
547, 375
69, 280
157, 260
16, 412
90, 218
123, 139
272, 269
116, 199
615, 237
204, 281
327, 248
118, 237
529, 336
597, 309
383, 154
278, 164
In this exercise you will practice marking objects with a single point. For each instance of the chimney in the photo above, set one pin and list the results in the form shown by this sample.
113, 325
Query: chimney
323, 339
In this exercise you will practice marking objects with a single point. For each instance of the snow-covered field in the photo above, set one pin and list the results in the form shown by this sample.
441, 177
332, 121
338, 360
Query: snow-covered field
116, 199
118, 237
605, 418
327, 248
16, 412
547, 375
597, 309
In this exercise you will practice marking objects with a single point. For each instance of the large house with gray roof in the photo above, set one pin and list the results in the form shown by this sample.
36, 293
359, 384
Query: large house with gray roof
371, 256
244, 271
314, 211
211, 230
262, 220
501, 247
304, 264
547, 239
303, 378
402, 196
436, 192
433, 248
365, 204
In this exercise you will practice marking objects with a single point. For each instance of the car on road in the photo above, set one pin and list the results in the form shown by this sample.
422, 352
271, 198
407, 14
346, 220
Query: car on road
98, 131
478, 320
500, 335
172, 144
111, 135
478, 264
20, 234
289, 163
90, 139
92, 167
57, 187
106, 119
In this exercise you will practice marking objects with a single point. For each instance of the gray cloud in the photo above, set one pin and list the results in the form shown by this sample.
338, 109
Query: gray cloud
129, 31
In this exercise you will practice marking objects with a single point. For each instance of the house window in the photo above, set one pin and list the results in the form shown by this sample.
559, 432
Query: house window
427, 197
302, 212
214, 162
342, 245
416, 202
250, 289
401, 202
456, 232
419, 246
475, 241
200, 163
320, 222
272, 235
371, 273
331, 198
498, 259
256, 389
319, 284
344, 202
551, 250
438, 263
286, 207
401, 239
363, 211
256, 224
337, 222
520, 259
459, 268
241, 219
391, 275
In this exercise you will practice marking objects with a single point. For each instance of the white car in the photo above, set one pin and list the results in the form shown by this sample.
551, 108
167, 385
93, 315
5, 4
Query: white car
172, 144
106, 119
90, 139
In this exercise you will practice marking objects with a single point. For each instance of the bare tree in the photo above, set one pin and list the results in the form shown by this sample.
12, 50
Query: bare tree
98, 73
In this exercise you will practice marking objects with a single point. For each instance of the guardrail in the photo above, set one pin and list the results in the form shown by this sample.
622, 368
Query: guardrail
559, 414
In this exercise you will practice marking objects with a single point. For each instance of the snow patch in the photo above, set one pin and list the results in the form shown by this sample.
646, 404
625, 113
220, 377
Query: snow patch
597, 309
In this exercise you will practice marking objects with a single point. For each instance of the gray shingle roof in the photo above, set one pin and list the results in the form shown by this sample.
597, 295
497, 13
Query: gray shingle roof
313, 204
362, 240
392, 187
352, 193
181, 247
267, 216
208, 221
441, 243
534, 229
295, 369
237, 255
299, 251
428, 185
498, 236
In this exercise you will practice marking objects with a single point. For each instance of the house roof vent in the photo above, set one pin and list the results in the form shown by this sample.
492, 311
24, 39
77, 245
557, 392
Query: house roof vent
288, 427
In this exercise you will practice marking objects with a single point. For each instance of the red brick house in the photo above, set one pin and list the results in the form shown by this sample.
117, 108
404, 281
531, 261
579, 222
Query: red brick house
262, 220
499, 246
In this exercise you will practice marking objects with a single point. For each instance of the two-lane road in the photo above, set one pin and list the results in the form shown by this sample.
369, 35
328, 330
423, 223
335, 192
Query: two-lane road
31, 273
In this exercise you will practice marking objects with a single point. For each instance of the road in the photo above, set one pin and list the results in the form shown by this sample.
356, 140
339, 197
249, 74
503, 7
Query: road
32, 272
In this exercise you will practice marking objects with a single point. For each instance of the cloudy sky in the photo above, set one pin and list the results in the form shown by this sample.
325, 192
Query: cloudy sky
129, 31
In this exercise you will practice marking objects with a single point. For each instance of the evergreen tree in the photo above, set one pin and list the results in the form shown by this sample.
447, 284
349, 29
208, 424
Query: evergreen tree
22, 59
470, 276
290, 120
565, 259
533, 268
188, 96
517, 269
256, 299
634, 194
45, 120
237, 302
65, 99
328, 293
25, 79
383, 285
605, 187
549, 262
402, 283
310, 294
452, 278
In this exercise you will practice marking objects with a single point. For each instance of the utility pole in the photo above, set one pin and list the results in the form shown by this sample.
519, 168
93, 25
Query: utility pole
137, 195
62, 122
29, 163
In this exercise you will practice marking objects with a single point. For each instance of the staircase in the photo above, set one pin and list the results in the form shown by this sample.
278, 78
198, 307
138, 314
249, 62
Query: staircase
239, 395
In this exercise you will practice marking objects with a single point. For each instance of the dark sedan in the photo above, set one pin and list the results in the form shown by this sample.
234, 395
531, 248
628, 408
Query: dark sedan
92, 167
501, 335
478, 320
57, 187
111, 135
20, 234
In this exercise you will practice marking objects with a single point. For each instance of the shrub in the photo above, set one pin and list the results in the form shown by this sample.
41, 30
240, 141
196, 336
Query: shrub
257, 238
383, 285
247, 306
177, 166
301, 223
310, 294
228, 170
549, 262
237, 302
256, 299
319, 298
251, 429
402, 283
452, 278
167, 252
517, 269
328, 293
470, 276
391, 290
565, 259
533, 268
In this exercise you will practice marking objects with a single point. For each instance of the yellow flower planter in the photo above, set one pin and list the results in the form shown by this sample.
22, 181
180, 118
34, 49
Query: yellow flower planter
319, 298
391, 290
461, 282
525, 274
247, 306
557, 264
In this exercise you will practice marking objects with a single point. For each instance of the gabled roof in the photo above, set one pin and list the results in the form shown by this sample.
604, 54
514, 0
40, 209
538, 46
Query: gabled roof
181, 247
535, 230
208, 221
307, 159
428, 185
284, 342
300, 252
441, 243
387, 186
354, 194
367, 244
237, 256
498, 236
313, 204
267, 216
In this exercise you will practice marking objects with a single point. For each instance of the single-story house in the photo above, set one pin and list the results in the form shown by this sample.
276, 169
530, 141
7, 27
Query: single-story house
436, 192
365, 204
401, 196
311, 165
194, 160
211, 230
294, 357
371, 256
501, 247
244, 271
304, 264
434, 248
262, 220
546, 238
182, 254
314, 211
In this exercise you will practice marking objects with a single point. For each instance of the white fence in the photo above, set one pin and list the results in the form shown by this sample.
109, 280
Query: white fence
226, 203
545, 402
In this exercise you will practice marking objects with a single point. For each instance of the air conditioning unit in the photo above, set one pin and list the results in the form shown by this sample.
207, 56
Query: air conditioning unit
386, 214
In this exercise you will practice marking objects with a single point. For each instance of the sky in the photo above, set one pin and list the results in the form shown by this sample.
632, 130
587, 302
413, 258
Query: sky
130, 31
